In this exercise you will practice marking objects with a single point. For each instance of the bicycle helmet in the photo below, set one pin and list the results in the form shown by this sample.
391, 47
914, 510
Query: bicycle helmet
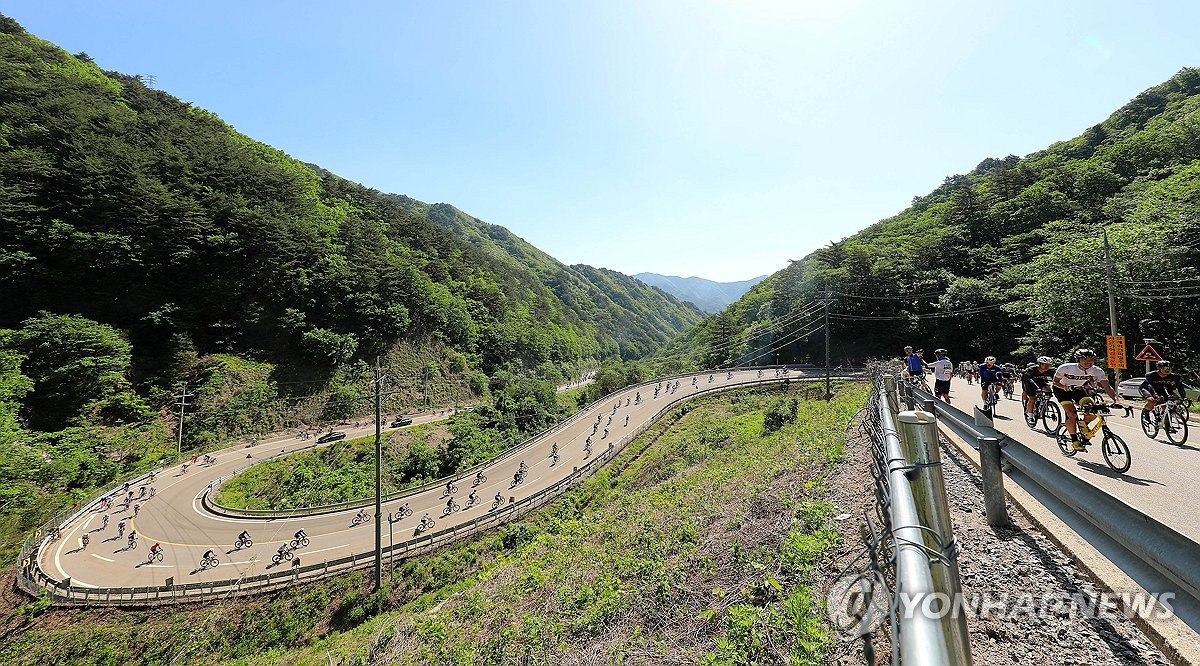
940, 352
990, 359
907, 348
1045, 359
1084, 353
1163, 364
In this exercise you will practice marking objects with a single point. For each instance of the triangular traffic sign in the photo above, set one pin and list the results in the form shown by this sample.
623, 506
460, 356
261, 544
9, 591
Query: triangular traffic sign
1148, 354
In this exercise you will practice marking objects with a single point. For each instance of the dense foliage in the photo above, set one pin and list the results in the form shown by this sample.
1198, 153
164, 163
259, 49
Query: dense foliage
1007, 260
148, 249
701, 543
125, 206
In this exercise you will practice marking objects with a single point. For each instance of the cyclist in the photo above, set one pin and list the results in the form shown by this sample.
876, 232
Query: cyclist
523, 467
1070, 382
132, 538
362, 516
450, 505
554, 449
155, 549
426, 520
284, 551
244, 536
989, 373
1158, 386
473, 497
1034, 379
943, 371
300, 535
208, 555
479, 477
449, 485
914, 362
104, 522
85, 540
120, 528
499, 498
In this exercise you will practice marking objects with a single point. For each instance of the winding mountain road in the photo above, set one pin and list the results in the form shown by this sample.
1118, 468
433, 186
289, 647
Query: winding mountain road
179, 519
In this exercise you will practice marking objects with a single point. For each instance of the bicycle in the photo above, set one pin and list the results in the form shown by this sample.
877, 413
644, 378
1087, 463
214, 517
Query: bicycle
496, 504
209, 563
1008, 389
450, 508
282, 556
449, 490
360, 518
993, 397
242, 543
918, 382
479, 479
403, 511
1047, 409
299, 543
1169, 415
154, 556
1115, 450
426, 523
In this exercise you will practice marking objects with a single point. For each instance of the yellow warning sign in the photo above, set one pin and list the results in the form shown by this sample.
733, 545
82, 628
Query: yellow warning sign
1116, 351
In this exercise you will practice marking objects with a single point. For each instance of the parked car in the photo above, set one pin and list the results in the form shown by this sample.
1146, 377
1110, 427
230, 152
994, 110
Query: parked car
331, 437
1128, 388
402, 421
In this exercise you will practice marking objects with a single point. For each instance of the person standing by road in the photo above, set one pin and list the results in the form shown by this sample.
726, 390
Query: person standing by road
943, 371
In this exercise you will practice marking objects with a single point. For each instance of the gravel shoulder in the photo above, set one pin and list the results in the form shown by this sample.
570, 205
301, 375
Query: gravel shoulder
1028, 602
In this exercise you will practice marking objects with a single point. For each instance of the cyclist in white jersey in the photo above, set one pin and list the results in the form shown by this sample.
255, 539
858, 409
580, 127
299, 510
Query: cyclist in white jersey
943, 371
1069, 384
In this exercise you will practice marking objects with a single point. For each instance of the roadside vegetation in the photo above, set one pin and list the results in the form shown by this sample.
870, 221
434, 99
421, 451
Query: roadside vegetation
696, 544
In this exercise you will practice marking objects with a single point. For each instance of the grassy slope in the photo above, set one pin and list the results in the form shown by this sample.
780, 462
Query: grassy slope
696, 544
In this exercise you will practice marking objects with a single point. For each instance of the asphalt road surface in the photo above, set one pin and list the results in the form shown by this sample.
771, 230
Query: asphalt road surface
1162, 481
177, 519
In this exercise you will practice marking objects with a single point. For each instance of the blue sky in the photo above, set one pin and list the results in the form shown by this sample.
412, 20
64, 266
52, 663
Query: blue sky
715, 139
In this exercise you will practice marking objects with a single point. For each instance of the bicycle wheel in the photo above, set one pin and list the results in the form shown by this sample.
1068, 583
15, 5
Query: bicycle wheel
1177, 428
1149, 424
1051, 416
1116, 453
1064, 444
1008, 391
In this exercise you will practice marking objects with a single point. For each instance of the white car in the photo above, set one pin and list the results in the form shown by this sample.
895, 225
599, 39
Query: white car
1128, 388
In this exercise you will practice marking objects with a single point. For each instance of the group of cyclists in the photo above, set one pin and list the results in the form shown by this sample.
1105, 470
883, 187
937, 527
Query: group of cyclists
1072, 383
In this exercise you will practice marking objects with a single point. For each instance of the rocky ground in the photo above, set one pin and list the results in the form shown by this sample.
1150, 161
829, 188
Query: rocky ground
1032, 603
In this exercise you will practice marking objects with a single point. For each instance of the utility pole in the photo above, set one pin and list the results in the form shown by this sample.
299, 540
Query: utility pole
182, 398
828, 392
1112, 299
378, 476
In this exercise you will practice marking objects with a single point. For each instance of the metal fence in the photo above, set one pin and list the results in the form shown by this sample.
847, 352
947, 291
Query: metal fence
34, 580
910, 554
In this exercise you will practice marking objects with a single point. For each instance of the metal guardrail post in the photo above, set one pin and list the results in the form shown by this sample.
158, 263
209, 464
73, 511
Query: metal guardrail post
918, 432
993, 481
921, 637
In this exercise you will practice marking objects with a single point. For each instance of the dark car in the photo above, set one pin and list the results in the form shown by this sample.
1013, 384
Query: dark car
331, 437
402, 421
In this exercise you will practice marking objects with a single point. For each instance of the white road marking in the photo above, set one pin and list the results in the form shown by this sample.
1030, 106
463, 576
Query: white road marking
103, 558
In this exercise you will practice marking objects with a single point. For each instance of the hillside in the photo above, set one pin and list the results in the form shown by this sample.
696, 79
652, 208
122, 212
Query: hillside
160, 268
132, 209
1008, 259
707, 295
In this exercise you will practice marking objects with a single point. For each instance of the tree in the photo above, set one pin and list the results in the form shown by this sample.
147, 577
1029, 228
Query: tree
72, 362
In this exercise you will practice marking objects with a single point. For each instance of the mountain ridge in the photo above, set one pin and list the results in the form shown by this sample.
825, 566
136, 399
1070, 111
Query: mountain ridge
708, 295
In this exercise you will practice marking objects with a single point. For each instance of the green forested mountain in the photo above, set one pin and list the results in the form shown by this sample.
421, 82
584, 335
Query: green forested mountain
145, 245
127, 207
1008, 259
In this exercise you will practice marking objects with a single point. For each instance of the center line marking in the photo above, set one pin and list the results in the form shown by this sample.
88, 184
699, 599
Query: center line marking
103, 558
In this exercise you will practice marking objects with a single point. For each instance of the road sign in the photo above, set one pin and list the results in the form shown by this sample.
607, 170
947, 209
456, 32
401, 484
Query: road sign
1149, 354
1116, 351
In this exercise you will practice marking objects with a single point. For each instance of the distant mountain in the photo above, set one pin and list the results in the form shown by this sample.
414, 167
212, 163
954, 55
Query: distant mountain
705, 294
